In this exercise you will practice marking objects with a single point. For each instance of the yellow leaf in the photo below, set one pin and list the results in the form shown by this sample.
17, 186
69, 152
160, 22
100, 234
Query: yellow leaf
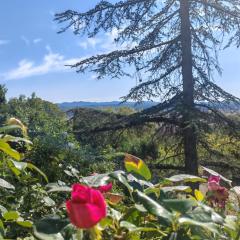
198, 195
137, 165
6, 148
17, 122
133, 161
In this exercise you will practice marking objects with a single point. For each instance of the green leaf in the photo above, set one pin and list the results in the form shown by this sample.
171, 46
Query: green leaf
9, 128
208, 226
49, 202
137, 165
152, 206
11, 215
215, 217
231, 222
26, 224
5, 147
128, 225
33, 167
179, 205
118, 175
68, 173
106, 222
185, 178
96, 180
133, 228
155, 190
114, 213
42, 236
186, 189
19, 165
2, 230
16, 167
140, 208
58, 188
6, 184
10, 138
16, 171
3, 209
200, 215
50, 225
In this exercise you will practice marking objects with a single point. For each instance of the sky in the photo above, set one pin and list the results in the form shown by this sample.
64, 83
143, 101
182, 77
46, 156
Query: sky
33, 55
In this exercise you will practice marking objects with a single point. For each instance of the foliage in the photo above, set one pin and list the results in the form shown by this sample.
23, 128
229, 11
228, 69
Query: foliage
17, 183
54, 149
138, 209
48, 129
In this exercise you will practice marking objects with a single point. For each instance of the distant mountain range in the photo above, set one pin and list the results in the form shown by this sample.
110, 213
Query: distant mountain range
116, 104
137, 106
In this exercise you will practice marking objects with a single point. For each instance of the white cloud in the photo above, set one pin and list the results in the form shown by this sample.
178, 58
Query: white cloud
89, 43
37, 40
55, 62
110, 45
26, 40
83, 45
4, 42
52, 62
94, 76
106, 43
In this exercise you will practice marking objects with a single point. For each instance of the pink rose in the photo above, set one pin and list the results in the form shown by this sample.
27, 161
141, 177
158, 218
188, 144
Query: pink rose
215, 179
87, 206
217, 194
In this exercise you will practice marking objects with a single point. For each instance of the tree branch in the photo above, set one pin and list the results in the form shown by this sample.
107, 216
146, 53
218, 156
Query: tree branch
121, 53
219, 8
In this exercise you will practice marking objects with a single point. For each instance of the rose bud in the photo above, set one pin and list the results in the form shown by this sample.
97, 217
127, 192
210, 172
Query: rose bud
87, 206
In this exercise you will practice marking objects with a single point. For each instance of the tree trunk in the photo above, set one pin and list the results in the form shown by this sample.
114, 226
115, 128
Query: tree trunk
189, 133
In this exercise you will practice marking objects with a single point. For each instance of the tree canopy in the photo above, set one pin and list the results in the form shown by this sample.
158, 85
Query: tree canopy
173, 48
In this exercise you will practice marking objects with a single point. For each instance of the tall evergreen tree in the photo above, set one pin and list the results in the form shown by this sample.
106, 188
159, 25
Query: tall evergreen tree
172, 46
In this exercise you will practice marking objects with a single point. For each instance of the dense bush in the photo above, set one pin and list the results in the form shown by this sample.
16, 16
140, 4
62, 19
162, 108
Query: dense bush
18, 184
137, 209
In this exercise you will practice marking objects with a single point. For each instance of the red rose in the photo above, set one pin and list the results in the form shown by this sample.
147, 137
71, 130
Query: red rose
105, 188
86, 207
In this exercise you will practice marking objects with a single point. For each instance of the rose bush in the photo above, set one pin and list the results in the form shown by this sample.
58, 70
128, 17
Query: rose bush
141, 210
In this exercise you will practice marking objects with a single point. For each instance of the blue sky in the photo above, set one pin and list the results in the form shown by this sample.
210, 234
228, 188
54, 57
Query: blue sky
33, 55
